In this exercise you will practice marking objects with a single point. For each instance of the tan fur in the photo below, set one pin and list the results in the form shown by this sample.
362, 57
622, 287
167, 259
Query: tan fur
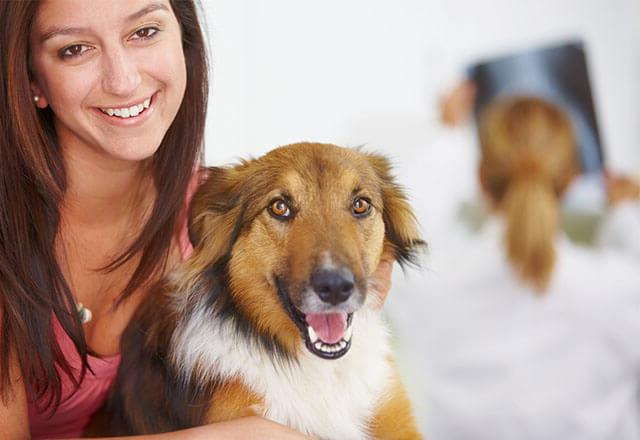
324, 222
231, 401
267, 244
394, 419
245, 253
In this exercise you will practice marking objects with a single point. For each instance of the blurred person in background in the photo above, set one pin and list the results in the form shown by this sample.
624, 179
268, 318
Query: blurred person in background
526, 334
620, 228
615, 228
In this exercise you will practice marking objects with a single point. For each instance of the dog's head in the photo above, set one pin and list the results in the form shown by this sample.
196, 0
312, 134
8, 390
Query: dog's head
298, 234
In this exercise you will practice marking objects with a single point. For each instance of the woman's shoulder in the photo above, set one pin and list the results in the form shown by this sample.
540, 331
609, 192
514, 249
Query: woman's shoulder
598, 268
616, 225
600, 289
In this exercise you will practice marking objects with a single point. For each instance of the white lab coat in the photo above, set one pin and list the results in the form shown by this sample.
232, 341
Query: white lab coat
497, 361
620, 229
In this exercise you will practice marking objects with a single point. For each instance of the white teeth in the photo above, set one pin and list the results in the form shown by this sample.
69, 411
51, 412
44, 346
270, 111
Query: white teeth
348, 333
312, 334
336, 347
128, 112
330, 348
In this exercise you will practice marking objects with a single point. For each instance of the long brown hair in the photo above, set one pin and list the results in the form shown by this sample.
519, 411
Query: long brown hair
528, 159
32, 185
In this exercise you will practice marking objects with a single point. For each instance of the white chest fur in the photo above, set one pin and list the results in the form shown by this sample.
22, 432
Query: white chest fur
328, 399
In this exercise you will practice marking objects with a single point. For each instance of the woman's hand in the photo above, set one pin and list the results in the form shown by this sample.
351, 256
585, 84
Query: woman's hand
456, 106
382, 279
621, 188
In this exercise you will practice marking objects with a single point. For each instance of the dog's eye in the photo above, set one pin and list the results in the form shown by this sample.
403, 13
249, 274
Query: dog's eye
361, 207
279, 209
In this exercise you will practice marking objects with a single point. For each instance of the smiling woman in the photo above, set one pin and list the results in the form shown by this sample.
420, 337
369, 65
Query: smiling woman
98, 76
102, 127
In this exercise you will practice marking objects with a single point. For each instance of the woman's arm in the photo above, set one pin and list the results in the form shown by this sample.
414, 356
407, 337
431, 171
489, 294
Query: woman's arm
245, 428
14, 421
258, 428
14, 424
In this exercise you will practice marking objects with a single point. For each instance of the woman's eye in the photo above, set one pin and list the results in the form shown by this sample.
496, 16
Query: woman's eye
145, 33
280, 209
361, 207
74, 50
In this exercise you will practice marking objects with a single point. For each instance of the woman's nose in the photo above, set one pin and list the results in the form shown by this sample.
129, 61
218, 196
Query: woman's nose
120, 76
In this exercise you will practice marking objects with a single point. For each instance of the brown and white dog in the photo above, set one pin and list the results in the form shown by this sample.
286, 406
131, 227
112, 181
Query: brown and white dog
273, 315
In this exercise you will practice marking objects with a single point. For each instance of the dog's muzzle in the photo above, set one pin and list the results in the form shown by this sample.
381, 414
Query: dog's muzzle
326, 323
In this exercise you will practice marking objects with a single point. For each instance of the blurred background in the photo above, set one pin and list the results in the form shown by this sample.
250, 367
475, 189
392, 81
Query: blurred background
372, 72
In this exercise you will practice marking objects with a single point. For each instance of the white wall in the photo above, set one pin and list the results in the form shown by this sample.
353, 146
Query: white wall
370, 72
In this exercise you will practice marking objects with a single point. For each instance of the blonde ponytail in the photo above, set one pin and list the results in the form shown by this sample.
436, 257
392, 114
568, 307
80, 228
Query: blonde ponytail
531, 211
528, 158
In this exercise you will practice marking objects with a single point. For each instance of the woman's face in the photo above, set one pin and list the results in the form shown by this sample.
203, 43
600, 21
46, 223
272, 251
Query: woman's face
112, 71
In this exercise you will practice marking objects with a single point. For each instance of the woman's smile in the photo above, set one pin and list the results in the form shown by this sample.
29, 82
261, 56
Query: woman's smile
113, 74
127, 115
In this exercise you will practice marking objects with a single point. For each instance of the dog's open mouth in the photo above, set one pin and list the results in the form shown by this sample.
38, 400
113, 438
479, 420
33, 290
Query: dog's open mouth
327, 335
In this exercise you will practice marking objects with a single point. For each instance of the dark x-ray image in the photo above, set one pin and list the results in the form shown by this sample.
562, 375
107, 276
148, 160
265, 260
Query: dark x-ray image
558, 74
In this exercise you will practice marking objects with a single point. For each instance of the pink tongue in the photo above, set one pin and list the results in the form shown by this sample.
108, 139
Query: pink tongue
329, 328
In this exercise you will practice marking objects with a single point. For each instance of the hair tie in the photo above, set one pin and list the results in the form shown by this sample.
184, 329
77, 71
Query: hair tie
530, 167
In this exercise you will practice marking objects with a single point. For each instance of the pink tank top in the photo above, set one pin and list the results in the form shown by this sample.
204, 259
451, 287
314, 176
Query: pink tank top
76, 409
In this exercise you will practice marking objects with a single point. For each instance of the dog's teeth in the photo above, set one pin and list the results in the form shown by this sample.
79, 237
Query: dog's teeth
312, 334
348, 333
330, 348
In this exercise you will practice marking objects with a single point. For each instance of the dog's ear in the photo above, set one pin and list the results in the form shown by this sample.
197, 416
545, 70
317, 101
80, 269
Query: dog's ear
216, 213
401, 226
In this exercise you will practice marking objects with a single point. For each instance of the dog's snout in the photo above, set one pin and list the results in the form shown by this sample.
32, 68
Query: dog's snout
333, 286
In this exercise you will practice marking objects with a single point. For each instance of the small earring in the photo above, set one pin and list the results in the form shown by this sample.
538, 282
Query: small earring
36, 99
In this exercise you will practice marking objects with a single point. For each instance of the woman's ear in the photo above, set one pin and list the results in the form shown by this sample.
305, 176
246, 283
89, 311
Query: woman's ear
401, 225
39, 99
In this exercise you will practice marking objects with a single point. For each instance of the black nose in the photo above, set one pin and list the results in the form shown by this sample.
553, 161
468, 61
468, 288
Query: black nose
333, 286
